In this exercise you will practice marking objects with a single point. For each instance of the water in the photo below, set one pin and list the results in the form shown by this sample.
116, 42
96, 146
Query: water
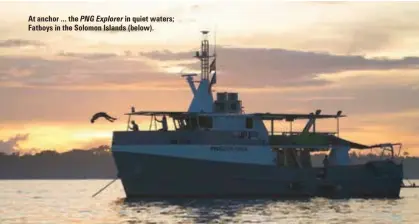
70, 201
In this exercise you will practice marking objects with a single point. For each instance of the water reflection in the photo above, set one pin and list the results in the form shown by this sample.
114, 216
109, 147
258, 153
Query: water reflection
260, 211
70, 201
210, 211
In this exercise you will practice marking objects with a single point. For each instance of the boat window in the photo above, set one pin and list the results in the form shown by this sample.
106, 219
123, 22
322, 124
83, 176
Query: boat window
220, 106
179, 124
205, 122
233, 106
193, 123
249, 122
175, 124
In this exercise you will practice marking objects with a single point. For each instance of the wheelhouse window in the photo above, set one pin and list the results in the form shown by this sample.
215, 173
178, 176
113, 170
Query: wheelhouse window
193, 123
180, 123
249, 123
205, 122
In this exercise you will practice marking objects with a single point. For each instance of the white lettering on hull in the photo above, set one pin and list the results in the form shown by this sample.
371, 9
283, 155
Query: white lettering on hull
229, 148
260, 155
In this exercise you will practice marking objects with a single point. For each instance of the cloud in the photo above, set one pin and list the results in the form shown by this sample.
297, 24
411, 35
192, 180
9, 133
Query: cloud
325, 2
406, 78
20, 43
344, 28
88, 56
167, 55
251, 67
75, 70
401, 121
238, 68
96, 143
374, 34
325, 98
12, 144
362, 101
266, 79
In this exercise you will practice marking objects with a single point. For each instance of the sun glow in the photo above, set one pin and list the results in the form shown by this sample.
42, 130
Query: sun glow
89, 135
43, 79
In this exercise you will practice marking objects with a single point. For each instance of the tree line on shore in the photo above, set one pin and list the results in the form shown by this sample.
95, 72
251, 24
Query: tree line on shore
97, 163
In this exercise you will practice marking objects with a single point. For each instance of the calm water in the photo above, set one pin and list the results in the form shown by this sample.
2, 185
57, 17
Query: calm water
70, 201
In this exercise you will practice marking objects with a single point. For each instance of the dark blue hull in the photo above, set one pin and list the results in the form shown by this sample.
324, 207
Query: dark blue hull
148, 176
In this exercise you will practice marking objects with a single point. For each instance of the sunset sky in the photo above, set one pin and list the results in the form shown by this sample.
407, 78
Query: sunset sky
361, 58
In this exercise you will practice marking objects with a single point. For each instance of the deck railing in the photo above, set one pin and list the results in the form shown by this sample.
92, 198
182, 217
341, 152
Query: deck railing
288, 133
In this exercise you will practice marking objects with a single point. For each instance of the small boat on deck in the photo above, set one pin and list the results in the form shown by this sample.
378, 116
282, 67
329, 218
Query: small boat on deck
410, 185
216, 150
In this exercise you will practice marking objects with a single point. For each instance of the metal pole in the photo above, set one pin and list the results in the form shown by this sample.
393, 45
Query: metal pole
151, 122
337, 123
129, 119
290, 127
155, 123
272, 126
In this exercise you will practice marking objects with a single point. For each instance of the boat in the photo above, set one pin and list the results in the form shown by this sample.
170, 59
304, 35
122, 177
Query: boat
409, 185
216, 150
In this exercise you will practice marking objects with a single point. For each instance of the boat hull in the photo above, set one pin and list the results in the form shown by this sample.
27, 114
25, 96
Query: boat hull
155, 176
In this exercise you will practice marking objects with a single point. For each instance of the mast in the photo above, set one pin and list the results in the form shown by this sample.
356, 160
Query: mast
202, 95
204, 56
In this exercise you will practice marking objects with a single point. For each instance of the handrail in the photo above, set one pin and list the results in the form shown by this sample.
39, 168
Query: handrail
389, 147
299, 133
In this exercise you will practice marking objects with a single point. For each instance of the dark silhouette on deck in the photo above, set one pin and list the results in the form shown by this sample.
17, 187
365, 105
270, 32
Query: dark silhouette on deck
134, 126
102, 114
163, 122
325, 165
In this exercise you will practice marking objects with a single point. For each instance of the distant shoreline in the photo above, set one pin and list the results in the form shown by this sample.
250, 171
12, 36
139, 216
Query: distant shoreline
411, 179
98, 164
59, 179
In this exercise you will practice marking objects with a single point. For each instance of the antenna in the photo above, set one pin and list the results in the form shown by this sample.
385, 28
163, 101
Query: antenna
215, 42
213, 64
204, 56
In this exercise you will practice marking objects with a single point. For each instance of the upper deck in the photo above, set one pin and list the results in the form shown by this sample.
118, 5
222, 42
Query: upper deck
229, 129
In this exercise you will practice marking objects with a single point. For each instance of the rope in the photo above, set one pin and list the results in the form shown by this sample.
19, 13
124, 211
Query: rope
105, 187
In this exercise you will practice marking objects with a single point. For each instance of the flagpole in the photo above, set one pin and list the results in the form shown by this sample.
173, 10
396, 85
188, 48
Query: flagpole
214, 61
215, 42
215, 49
